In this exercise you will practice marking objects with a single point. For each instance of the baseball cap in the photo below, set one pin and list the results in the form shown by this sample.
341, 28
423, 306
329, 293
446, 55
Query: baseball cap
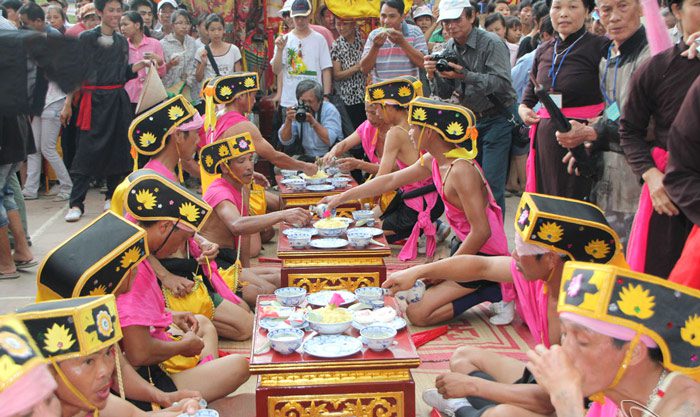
301, 8
422, 11
286, 7
452, 9
87, 10
168, 2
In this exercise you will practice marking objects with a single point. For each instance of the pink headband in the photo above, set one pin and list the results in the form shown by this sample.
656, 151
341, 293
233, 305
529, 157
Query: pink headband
607, 329
527, 249
26, 392
194, 124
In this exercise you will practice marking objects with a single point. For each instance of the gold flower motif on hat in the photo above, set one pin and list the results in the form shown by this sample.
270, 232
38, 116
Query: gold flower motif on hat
691, 331
225, 91
455, 129
103, 324
223, 151
404, 91
550, 232
189, 211
209, 161
175, 113
147, 198
249, 82
147, 139
130, 256
99, 290
597, 248
378, 94
58, 339
636, 301
14, 345
419, 114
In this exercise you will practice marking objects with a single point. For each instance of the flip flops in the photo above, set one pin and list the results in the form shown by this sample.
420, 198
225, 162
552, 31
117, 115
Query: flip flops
26, 264
9, 275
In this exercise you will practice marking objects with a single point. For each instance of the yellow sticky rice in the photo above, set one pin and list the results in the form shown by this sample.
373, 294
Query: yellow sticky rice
319, 175
332, 314
330, 223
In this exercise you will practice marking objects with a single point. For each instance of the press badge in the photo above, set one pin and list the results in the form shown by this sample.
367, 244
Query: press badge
556, 98
613, 112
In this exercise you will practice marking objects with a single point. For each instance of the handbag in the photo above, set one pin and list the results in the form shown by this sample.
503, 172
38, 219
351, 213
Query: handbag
258, 204
232, 274
520, 132
178, 363
196, 301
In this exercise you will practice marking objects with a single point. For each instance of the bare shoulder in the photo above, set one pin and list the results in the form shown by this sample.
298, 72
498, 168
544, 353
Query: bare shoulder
245, 126
683, 399
466, 172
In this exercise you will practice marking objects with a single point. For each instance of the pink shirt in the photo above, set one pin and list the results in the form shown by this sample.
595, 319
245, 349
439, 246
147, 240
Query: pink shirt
368, 135
158, 167
136, 53
220, 190
531, 303
497, 244
76, 30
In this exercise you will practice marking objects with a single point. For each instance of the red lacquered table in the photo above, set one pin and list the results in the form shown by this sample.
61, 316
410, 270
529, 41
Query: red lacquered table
329, 269
366, 384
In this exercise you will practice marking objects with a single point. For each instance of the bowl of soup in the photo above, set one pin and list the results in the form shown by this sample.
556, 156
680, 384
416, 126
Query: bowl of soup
294, 184
290, 296
366, 217
359, 238
285, 341
378, 337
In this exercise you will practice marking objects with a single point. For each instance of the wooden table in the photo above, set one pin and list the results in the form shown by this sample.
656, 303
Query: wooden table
305, 199
328, 269
367, 384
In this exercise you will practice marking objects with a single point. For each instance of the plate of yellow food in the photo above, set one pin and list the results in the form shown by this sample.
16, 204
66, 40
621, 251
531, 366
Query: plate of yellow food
331, 226
329, 319
318, 178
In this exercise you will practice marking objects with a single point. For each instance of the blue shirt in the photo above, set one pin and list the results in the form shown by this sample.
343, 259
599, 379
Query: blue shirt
520, 73
313, 145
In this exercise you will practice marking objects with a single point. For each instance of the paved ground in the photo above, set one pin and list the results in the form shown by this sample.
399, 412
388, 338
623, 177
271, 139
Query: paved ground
48, 229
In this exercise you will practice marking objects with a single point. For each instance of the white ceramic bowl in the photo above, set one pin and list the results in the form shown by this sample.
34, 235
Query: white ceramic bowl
359, 238
378, 337
330, 232
414, 294
290, 296
286, 173
366, 295
332, 170
339, 182
299, 239
295, 184
330, 328
313, 180
285, 341
367, 215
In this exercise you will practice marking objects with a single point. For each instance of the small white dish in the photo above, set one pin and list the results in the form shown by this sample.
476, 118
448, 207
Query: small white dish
329, 243
319, 187
332, 346
397, 323
375, 231
322, 298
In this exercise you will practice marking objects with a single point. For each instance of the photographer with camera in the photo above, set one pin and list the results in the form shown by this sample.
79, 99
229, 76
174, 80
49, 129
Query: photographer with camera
476, 64
313, 122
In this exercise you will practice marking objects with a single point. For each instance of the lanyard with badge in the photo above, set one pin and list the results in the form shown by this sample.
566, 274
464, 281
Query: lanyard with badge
612, 110
557, 97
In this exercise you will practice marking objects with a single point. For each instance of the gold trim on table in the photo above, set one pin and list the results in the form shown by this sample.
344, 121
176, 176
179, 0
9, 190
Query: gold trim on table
299, 263
334, 365
321, 253
369, 404
351, 280
333, 378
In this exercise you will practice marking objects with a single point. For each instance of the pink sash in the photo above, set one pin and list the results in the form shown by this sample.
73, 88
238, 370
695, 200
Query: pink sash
608, 409
585, 112
228, 119
531, 303
216, 281
368, 136
424, 222
637, 245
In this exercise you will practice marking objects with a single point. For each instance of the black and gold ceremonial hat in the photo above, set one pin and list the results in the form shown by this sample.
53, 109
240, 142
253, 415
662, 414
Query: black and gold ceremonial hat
152, 197
216, 153
93, 261
18, 352
228, 87
575, 228
666, 312
399, 91
150, 129
75, 327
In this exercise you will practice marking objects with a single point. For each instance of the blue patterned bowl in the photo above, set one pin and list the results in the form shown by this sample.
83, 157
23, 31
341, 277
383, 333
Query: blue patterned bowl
299, 239
378, 337
285, 341
290, 296
366, 295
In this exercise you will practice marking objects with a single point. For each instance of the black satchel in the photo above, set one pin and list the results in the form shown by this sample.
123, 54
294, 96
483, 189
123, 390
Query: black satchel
520, 132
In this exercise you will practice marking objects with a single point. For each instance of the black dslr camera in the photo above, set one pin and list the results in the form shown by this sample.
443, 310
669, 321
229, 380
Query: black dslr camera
443, 59
301, 111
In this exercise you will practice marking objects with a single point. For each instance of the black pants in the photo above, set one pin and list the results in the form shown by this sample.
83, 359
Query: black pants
81, 185
480, 405
357, 114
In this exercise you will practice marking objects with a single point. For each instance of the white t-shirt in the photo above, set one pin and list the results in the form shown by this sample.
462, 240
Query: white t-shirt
225, 62
302, 59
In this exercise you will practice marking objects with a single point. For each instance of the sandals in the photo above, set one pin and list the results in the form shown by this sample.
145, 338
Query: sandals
9, 275
26, 264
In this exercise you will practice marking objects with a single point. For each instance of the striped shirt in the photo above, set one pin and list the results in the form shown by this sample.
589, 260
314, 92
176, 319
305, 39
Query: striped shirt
392, 60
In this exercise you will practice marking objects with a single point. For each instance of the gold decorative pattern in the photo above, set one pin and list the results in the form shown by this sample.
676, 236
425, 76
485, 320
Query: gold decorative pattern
147, 139
225, 91
636, 301
377, 404
378, 94
146, 198
333, 377
223, 151
404, 91
58, 338
130, 256
209, 160
249, 82
99, 290
550, 232
455, 129
189, 211
691, 331
332, 281
310, 262
597, 248
175, 113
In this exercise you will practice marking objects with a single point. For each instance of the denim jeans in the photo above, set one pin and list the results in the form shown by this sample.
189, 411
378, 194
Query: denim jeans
494, 153
7, 197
